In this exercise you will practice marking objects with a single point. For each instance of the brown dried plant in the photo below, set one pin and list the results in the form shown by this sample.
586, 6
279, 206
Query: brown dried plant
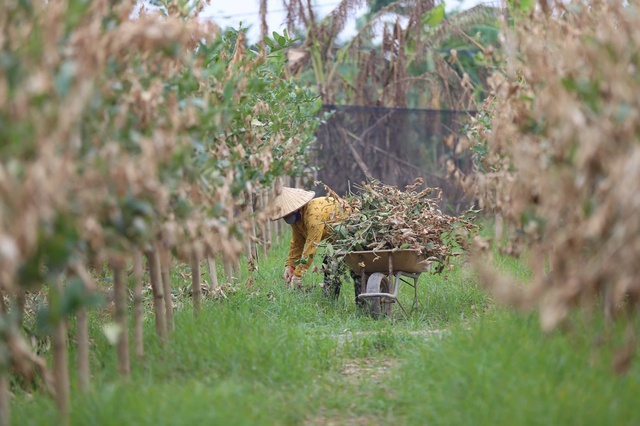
365, 71
124, 130
560, 159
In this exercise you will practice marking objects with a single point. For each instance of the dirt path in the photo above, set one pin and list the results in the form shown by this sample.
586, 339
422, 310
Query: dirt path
365, 374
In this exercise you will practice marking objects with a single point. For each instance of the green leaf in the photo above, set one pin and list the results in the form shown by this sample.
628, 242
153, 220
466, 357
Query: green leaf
434, 16
329, 250
282, 41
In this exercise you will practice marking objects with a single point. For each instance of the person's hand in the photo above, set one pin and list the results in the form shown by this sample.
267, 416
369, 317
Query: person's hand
288, 273
295, 282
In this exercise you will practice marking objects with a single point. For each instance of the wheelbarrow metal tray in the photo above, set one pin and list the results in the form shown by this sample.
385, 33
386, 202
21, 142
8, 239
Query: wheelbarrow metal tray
378, 261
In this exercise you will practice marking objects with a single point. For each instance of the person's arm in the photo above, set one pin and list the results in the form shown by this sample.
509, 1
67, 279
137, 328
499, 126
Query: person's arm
295, 248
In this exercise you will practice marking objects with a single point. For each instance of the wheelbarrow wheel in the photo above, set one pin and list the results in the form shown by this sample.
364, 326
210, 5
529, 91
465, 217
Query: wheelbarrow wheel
378, 306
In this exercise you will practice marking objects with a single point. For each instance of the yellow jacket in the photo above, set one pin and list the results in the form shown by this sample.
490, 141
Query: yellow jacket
312, 228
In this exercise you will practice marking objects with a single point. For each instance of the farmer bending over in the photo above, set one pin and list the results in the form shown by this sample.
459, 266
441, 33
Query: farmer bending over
310, 220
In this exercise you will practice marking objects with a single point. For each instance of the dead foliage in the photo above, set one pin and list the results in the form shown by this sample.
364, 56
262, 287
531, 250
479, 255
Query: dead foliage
124, 129
559, 158
389, 72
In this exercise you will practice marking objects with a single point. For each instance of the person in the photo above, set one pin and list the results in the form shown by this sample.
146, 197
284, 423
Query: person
310, 218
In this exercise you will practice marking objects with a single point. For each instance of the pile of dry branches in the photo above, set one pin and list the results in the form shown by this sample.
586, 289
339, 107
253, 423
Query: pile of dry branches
384, 217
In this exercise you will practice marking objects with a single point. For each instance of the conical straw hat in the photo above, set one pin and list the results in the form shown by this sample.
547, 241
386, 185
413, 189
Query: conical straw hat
288, 200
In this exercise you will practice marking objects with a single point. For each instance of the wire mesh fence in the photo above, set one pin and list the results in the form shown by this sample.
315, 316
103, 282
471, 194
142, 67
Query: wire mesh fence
394, 146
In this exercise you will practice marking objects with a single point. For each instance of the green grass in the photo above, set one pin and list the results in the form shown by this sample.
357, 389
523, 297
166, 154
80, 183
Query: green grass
267, 355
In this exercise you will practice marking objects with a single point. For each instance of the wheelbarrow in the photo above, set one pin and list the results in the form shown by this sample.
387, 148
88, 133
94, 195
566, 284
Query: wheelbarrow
382, 272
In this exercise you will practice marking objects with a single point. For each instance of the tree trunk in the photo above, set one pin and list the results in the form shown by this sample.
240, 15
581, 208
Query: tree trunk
228, 270
213, 275
4, 397
60, 360
251, 248
264, 227
138, 334
120, 298
196, 290
273, 225
4, 370
21, 300
153, 259
165, 267
82, 332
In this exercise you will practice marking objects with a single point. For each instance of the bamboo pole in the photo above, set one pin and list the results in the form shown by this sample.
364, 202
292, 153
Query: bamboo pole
60, 359
120, 298
138, 334
82, 332
153, 259
165, 267
196, 289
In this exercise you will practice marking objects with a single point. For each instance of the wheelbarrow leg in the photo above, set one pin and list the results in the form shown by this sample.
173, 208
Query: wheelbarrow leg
362, 287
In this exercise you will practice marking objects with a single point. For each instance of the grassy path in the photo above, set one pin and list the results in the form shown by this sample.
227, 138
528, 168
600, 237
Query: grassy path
268, 355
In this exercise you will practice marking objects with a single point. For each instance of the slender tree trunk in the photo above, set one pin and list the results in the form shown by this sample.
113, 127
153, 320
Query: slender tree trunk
251, 249
228, 270
138, 336
21, 300
153, 259
82, 332
268, 228
499, 227
5, 414
120, 298
264, 28
196, 290
4, 370
60, 360
261, 237
213, 275
165, 267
